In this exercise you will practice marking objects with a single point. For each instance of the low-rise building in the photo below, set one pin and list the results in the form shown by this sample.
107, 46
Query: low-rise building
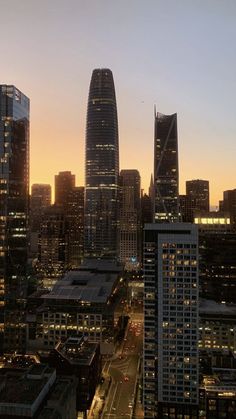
81, 303
217, 392
217, 328
82, 358
26, 394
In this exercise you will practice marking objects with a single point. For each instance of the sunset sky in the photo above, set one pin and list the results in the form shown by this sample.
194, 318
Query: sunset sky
179, 55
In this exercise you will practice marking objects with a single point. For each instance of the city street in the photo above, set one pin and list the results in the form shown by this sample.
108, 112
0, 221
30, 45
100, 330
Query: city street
124, 370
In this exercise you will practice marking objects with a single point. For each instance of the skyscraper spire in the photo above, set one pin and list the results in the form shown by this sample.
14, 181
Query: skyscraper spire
101, 167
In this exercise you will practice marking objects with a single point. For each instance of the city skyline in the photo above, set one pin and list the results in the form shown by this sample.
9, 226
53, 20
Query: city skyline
174, 64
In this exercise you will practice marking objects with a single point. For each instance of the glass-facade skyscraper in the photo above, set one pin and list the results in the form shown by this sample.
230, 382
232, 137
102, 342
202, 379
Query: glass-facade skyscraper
166, 171
14, 197
102, 167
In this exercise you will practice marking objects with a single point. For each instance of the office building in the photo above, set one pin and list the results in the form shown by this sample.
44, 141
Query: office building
198, 193
74, 215
229, 205
212, 222
79, 357
170, 367
37, 393
43, 191
81, 303
39, 200
186, 209
166, 170
14, 197
64, 183
53, 242
217, 326
130, 219
102, 168
217, 249
146, 209
217, 392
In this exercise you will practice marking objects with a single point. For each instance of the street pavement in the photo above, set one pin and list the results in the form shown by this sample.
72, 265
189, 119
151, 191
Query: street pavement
124, 370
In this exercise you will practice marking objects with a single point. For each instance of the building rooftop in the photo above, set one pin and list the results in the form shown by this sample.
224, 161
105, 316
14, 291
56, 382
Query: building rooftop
212, 307
49, 413
90, 287
24, 388
101, 265
77, 350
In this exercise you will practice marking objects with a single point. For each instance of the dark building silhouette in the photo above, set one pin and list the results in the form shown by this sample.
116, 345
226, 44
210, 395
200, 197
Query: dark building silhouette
64, 183
130, 219
197, 191
166, 171
218, 265
39, 200
53, 242
14, 197
186, 208
146, 209
229, 205
37, 393
44, 191
77, 356
146, 215
74, 214
102, 167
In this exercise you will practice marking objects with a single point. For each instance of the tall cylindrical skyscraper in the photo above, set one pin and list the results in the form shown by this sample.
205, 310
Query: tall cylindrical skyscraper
101, 168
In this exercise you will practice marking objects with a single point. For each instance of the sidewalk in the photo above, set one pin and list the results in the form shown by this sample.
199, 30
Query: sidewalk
138, 410
98, 403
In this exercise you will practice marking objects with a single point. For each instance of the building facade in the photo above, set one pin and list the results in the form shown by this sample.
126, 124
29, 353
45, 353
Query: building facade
79, 357
197, 191
40, 199
166, 169
170, 371
229, 205
74, 215
64, 183
14, 211
130, 219
217, 265
186, 209
53, 242
83, 302
102, 168
44, 191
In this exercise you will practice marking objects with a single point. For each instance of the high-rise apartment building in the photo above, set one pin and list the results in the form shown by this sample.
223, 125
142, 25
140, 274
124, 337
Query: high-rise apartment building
130, 219
198, 192
166, 170
170, 387
64, 183
102, 167
14, 197
74, 215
